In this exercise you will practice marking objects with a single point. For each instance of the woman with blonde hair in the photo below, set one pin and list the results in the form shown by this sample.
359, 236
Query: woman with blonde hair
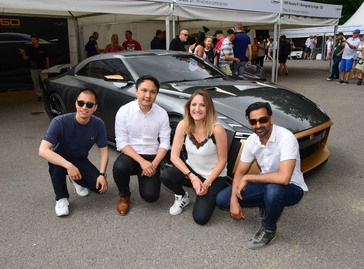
114, 46
205, 168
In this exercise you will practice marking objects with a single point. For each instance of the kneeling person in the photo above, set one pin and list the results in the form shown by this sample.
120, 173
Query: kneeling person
142, 134
65, 146
281, 181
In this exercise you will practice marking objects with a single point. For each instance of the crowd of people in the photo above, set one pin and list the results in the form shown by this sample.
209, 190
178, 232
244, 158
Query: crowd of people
347, 55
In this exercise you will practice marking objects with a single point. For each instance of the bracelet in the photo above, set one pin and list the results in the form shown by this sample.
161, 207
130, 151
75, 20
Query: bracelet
195, 177
186, 175
209, 182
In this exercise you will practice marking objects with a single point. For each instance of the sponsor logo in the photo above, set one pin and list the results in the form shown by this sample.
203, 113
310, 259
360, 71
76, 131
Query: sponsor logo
9, 22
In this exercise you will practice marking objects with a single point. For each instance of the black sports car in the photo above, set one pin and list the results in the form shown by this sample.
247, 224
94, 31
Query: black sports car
113, 77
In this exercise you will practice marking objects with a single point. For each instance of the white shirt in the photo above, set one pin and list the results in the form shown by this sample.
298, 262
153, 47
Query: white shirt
348, 52
310, 43
203, 160
281, 146
141, 131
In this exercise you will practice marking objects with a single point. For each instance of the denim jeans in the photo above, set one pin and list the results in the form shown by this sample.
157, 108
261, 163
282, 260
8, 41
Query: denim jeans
274, 197
335, 67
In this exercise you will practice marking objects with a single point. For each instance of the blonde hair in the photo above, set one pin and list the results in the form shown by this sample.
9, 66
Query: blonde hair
112, 37
210, 114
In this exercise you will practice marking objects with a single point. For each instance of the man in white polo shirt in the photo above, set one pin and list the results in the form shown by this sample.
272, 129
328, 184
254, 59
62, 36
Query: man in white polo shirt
351, 45
280, 182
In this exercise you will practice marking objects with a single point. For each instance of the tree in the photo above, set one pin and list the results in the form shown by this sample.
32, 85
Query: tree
349, 7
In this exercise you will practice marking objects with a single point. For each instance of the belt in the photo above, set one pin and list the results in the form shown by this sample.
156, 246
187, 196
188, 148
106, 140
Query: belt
148, 155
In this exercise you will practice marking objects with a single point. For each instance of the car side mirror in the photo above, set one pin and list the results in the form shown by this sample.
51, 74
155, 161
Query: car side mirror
119, 81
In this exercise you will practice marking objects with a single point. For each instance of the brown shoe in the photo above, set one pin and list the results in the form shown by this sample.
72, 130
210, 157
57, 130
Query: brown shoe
123, 205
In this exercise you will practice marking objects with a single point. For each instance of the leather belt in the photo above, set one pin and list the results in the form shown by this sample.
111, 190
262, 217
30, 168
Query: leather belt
148, 155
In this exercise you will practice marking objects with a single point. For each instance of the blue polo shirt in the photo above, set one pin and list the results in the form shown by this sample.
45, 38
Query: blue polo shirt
72, 139
241, 43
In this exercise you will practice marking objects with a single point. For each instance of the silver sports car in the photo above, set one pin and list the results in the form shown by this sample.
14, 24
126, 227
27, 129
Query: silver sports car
113, 77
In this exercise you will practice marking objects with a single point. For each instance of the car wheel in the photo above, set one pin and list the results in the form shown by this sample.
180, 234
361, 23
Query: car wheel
56, 106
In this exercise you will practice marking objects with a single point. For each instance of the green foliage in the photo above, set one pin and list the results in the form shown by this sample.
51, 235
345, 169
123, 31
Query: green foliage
349, 7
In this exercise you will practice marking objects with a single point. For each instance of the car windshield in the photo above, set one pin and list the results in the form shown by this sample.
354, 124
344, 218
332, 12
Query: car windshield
168, 68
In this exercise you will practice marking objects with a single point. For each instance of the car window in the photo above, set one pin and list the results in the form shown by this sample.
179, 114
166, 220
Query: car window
167, 68
99, 69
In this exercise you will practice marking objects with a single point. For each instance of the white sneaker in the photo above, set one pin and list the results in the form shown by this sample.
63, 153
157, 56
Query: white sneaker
62, 207
179, 203
81, 191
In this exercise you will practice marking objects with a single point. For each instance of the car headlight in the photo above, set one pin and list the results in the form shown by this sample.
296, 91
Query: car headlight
241, 132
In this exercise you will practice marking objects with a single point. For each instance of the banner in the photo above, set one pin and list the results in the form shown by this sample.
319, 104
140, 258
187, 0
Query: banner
15, 34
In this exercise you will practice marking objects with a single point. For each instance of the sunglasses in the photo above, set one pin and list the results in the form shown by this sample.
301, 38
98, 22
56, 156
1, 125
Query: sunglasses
264, 119
184, 34
81, 103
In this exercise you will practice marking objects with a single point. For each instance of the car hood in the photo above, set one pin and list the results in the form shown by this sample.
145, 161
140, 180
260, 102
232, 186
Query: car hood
231, 98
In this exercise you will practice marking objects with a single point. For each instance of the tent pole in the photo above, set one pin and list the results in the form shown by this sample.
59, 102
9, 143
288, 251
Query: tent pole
167, 32
274, 53
277, 54
323, 48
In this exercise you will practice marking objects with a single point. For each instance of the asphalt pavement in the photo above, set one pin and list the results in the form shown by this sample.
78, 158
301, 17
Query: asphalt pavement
325, 230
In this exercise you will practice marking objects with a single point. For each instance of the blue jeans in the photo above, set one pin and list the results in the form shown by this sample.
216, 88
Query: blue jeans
273, 196
335, 67
58, 175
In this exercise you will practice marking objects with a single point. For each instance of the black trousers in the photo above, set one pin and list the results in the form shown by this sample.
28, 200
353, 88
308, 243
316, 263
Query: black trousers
124, 167
205, 205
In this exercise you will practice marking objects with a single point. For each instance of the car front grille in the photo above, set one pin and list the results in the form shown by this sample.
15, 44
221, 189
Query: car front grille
310, 143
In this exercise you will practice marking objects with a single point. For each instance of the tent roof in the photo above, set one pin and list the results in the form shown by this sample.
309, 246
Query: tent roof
92, 12
357, 18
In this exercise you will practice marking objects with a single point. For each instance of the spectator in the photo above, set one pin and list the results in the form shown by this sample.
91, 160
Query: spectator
337, 54
178, 43
130, 44
313, 48
164, 41
241, 46
360, 62
38, 58
198, 47
357, 58
157, 43
329, 46
284, 51
227, 53
255, 50
270, 49
219, 38
205, 168
91, 47
308, 45
351, 45
209, 52
262, 48
114, 46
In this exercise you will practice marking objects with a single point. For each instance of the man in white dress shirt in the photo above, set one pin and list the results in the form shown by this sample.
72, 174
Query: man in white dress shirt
142, 134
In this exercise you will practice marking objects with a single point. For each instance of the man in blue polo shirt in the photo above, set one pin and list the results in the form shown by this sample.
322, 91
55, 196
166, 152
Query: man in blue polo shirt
65, 146
241, 44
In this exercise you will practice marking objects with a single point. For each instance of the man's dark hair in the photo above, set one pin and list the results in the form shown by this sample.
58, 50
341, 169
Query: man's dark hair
88, 91
147, 77
94, 33
256, 106
128, 31
34, 36
158, 32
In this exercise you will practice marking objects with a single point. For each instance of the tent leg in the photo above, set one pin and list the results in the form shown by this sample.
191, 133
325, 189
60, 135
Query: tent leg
167, 33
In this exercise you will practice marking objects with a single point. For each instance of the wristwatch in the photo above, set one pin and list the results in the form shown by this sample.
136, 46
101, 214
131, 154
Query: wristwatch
103, 174
186, 175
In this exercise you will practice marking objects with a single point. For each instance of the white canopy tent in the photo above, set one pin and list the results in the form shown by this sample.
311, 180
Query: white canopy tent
110, 14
